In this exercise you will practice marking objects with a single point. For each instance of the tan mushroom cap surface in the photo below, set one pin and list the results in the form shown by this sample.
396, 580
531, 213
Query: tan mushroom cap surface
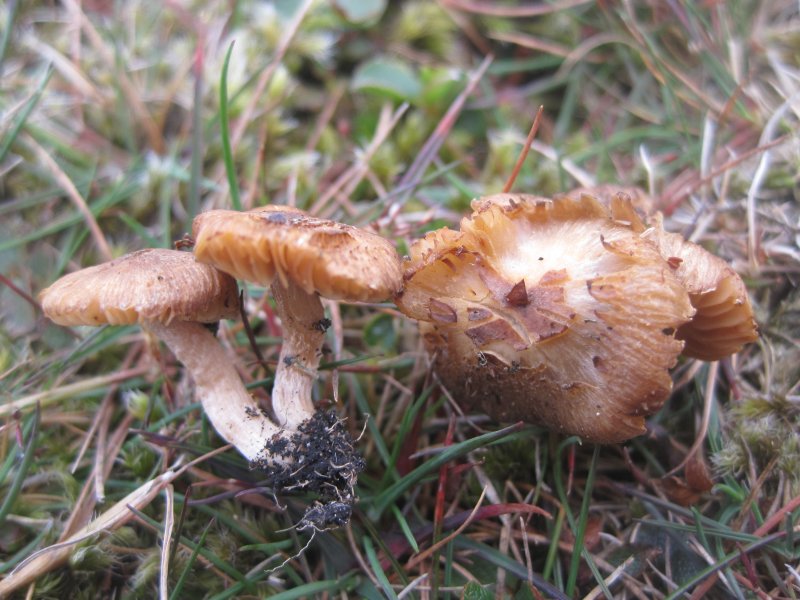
551, 312
724, 319
338, 261
155, 284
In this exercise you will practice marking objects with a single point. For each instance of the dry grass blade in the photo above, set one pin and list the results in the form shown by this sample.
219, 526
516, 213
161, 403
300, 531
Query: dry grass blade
47, 559
428, 152
356, 172
396, 115
66, 183
169, 525
490, 8
129, 89
708, 404
525, 149
48, 397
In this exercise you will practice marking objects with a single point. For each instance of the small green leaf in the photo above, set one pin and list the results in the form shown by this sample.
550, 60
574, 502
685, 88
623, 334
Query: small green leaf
475, 591
380, 332
360, 12
388, 77
441, 85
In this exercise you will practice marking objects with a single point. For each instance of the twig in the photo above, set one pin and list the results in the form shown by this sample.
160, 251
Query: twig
525, 149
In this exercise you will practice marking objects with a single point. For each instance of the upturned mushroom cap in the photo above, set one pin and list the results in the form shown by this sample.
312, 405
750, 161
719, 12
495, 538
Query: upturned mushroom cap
338, 261
551, 312
723, 321
148, 285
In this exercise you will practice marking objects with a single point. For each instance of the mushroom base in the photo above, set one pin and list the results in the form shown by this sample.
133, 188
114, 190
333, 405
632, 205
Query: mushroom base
319, 457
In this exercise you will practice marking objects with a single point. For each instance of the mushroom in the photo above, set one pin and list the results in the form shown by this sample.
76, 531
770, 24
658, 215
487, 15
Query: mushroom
555, 312
301, 258
171, 295
723, 321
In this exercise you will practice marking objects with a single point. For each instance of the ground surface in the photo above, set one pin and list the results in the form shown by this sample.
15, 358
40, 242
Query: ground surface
395, 114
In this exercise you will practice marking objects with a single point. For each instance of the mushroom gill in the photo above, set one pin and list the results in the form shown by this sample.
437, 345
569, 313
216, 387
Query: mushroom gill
723, 321
551, 312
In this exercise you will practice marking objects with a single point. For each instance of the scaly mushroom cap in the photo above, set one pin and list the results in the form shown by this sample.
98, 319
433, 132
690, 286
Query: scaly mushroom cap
338, 261
724, 319
551, 312
147, 285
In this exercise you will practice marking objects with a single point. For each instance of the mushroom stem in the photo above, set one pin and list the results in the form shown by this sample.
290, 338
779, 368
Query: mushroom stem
230, 408
302, 318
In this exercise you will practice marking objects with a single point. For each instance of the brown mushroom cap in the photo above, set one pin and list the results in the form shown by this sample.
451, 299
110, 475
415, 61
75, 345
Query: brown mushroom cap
148, 285
723, 321
552, 312
337, 261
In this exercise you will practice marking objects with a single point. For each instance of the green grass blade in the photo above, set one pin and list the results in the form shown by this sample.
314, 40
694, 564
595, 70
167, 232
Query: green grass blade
580, 533
403, 431
176, 592
381, 502
225, 133
375, 563
207, 554
722, 563
405, 528
12, 561
307, 590
12, 14
22, 472
497, 558
19, 123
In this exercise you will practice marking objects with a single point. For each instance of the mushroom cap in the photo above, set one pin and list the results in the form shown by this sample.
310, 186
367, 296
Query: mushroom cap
724, 319
554, 312
337, 261
148, 285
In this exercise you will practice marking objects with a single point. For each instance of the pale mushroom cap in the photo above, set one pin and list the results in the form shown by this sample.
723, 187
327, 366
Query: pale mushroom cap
551, 312
147, 285
724, 319
337, 261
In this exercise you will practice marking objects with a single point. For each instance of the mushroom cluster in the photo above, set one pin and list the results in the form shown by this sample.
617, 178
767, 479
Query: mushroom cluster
569, 312
302, 258
172, 294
